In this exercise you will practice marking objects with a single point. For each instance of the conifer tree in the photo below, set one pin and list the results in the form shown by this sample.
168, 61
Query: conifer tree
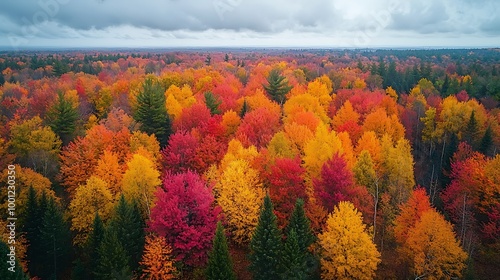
151, 111
6, 270
486, 141
93, 244
55, 242
220, 265
277, 86
244, 109
266, 247
294, 260
212, 103
113, 258
62, 118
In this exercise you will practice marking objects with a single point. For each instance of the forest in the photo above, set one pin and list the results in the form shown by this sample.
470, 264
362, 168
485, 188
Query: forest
251, 164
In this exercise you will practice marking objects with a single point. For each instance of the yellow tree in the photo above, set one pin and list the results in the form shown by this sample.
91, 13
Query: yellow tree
178, 99
240, 195
434, 249
140, 182
348, 251
344, 114
399, 177
321, 88
110, 171
91, 198
236, 151
305, 103
157, 261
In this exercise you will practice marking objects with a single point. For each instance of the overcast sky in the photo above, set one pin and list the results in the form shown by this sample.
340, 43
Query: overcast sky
261, 23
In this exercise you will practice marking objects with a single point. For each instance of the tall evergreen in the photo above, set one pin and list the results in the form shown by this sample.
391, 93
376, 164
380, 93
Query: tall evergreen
486, 141
6, 271
244, 109
277, 86
62, 118
113, 258
220, 264
31, 224
301, 226
212, 103
294, 260
93, 244
129, 226
151, 111
55, 242
471, 130
266, 247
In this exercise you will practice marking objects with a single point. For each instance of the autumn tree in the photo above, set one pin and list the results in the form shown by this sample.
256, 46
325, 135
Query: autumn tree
266, 247
157, 261
365, 175
140, 182
185, 215
90, 199
220, 264
62, 118
180, 153
277, 86
239, 192
151, 111
347, 249
434, 250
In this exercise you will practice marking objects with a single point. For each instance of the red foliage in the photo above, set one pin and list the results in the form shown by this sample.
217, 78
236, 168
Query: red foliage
192, 117
208, 152
185, 216
258, 127
179, 155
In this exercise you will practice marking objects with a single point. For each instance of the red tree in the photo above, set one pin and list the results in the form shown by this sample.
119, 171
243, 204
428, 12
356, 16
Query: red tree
179, 154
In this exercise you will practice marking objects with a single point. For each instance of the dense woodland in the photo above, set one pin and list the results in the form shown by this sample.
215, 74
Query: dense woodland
253, 164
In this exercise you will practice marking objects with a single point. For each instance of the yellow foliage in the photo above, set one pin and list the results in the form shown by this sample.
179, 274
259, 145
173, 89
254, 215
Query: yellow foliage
391, 92
149, 143
236, 151
109, 170
281, 146
359, 83
178, 99
305, 103
230, 122
140, 182
91, 198
380, 123
320, 90
434, 249
349, 156
348, 251
344, 114
298, 135
371, 144
240, 195
157, 260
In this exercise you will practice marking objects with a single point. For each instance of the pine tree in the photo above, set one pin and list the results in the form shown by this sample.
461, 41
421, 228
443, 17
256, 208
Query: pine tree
6, 270
471, 130
277, 86
129, 227
93, 244
244, 109
226, 58
113, 258
62, 118
55, 242
151, 111
266, 247
212, 103
220, 265
301, 226
294, 259
31, 226
486, 141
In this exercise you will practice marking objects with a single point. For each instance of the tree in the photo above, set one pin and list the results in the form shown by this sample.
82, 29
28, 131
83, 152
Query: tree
220, 264
128, 225
62, 118
294, 260
435, 252
486, 141
180, 153
140, 182
157, 261
266, 248
277, 86
55, 238
258, 127
90, 199
92, 245
151, 111
347, 249
113, 258
212, 102
185, 215
410, 214
238, 192
7, 270
110, 171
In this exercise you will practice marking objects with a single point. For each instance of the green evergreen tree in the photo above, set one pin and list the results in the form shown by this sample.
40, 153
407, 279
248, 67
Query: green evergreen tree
151, 111
93, 244
244, 109
277, 86
486, 141
8, 272
129, 226
294, 260
113, 258
226, 58
62, 118
208, 60
445, 86
300, 224
471, 130
31, 223
56, 242
266, 247
220, 264
212, 103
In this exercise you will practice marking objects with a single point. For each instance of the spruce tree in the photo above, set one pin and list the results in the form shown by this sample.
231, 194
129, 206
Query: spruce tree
113, 258
129, 226
277, 86
212, 103
220, 265
266, 247
55, 242
471, 130
244, 109
6, 270
62, 118
151, 111
93, 244
32, 217
294, 259
486, 141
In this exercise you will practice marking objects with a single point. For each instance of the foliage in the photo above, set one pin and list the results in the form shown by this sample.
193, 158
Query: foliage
220, 264
157, 261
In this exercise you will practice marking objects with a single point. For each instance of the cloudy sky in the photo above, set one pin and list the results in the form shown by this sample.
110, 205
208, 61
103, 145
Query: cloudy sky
260, 23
